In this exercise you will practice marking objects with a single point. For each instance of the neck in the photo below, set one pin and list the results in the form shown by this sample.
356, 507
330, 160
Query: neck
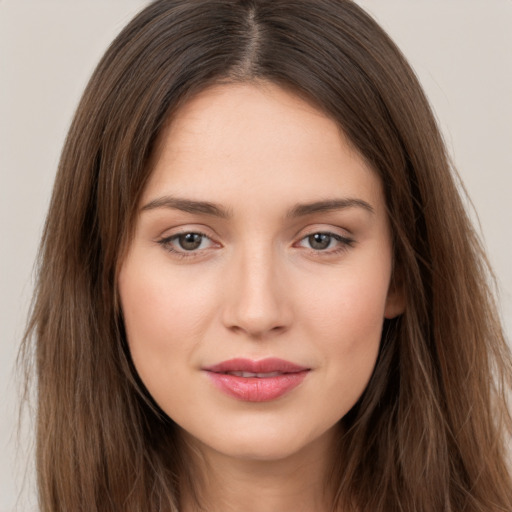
229, 484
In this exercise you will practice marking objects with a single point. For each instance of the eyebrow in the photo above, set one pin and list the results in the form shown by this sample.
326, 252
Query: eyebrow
329, 205
215, 210
187, 205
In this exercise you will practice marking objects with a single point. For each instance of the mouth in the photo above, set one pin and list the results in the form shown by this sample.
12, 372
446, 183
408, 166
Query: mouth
253, 375
256, 381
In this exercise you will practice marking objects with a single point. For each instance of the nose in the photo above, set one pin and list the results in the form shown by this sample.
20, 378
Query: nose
257, 300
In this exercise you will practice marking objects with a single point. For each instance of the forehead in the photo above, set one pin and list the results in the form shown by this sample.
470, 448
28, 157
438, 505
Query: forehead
249, 141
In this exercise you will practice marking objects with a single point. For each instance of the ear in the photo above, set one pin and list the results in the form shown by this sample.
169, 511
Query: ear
395, 301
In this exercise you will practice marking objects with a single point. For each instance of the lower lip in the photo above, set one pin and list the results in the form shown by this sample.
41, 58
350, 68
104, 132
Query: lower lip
254, 389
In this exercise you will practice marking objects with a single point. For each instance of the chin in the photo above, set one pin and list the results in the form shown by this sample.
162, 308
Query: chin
264, 444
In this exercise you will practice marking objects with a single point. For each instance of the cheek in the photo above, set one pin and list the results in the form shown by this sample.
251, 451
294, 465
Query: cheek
345, 322
165, 318
349, 306
352, 337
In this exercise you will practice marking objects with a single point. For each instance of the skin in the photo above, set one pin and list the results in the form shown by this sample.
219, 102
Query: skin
257, 287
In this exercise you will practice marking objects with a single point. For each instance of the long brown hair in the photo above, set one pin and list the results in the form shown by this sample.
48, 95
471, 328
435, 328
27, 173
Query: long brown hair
430, 432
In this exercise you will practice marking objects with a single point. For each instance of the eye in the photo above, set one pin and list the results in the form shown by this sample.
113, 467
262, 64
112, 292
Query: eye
190, 241
320, 241
183, 243
325, 241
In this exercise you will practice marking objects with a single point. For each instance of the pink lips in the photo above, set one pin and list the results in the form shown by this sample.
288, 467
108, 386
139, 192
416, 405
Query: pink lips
256, 381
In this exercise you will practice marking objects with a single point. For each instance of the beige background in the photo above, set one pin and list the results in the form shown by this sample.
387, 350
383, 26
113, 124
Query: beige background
461, 50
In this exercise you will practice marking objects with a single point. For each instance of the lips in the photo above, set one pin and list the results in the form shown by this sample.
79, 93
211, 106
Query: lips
256, 381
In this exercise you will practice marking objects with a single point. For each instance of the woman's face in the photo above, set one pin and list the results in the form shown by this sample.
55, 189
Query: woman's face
256, 285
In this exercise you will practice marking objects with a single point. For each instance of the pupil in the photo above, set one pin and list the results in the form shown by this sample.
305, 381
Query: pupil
319, 241
190, 241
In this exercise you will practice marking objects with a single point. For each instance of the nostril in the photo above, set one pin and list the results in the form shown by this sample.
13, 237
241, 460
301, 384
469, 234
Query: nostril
257, 331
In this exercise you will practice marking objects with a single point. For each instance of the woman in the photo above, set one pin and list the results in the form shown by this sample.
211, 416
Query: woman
259, 287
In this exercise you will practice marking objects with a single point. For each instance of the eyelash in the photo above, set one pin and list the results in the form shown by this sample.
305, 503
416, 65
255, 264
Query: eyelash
166, 243
344, 244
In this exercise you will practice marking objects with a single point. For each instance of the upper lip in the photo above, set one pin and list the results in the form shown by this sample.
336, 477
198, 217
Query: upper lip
268, 365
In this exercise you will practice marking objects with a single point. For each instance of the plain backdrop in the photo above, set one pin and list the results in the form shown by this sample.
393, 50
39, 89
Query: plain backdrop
461, 50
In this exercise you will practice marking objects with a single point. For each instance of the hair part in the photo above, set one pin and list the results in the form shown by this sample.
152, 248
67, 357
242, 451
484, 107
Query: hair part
429, 432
